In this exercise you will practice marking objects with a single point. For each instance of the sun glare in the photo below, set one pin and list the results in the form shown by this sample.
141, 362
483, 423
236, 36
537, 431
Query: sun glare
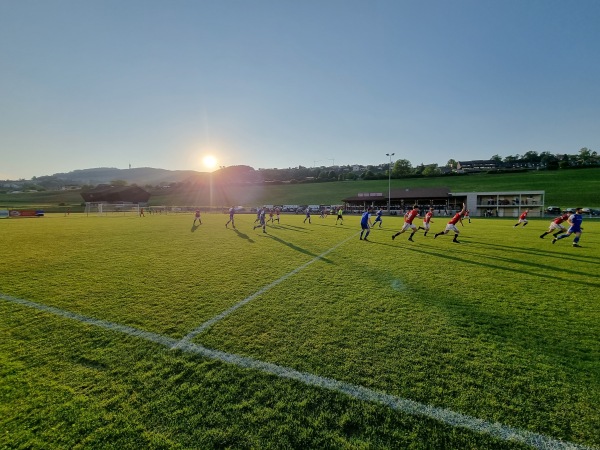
210, 162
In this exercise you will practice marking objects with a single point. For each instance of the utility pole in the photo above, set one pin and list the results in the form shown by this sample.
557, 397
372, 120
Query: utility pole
389, 180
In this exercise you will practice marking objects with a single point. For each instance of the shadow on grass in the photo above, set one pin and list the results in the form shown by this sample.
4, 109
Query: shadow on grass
195, 227
298, 249
572, 257
288, 227
555, 273
242, 235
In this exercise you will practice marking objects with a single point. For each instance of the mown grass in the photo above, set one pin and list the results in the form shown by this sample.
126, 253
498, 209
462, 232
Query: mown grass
503, 327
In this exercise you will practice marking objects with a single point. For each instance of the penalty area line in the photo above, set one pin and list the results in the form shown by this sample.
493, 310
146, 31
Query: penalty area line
411, 407
195, 332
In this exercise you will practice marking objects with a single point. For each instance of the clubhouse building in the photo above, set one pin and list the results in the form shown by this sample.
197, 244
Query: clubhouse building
444, 202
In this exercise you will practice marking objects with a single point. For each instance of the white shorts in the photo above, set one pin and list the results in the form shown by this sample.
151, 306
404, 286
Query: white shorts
451, 227
408, 225
556, 226
426, 226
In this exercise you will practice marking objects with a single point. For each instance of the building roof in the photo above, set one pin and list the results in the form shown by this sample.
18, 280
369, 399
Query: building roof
403, 194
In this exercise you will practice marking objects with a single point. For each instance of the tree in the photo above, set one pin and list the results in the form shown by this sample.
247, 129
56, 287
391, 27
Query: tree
531, 157
118, 183
584, 156
419, 169
496, 158
451, 163
402, 167
368, 175
431, 170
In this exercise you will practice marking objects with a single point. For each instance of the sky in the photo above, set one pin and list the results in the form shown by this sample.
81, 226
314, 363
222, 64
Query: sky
282, 83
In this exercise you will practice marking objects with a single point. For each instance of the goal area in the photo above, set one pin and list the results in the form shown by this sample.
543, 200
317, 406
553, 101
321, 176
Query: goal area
110, 209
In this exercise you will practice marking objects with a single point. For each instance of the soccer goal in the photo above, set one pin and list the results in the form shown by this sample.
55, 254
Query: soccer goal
112, 209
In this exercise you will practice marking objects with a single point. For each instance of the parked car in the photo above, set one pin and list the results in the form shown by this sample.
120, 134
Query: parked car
553, 210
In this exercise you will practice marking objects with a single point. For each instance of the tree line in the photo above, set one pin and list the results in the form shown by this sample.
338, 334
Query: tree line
403, 168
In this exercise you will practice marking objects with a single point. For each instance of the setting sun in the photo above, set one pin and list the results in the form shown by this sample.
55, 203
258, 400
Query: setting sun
210, 162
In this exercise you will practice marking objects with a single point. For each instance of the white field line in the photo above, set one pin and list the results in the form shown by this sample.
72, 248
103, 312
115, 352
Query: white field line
403, 405
261, 291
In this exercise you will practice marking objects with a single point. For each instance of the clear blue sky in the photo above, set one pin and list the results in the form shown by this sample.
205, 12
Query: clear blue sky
281, 83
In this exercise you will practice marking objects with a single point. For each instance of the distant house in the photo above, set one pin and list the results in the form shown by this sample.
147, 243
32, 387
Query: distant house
115, 194
478, 165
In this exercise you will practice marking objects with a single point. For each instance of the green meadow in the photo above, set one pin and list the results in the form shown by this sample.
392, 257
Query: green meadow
564, 188
131, 332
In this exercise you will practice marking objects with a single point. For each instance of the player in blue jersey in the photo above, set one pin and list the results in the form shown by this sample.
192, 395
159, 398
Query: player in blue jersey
261, 220
365, 224
378, 217
307, 212
575, 221
231, 221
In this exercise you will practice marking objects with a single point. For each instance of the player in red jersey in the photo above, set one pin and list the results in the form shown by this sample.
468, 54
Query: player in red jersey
408, 223
468, 215
556, 225
452, 225
197, 217
426, 221
522, 218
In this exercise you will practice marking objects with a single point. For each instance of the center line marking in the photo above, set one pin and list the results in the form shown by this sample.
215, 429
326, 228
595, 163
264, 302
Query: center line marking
192, 334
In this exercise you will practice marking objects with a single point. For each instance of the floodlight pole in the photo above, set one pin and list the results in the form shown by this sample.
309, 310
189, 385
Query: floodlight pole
389, 180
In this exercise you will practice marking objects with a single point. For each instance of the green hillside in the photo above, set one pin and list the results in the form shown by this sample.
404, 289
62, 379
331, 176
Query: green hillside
564, 188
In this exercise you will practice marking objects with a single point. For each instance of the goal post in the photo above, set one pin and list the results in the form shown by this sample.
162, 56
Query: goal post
112, 209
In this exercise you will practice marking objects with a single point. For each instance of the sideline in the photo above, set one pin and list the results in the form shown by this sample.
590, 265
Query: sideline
192, 334
449, 417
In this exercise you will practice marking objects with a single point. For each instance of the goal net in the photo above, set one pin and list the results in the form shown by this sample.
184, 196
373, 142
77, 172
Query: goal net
106, 209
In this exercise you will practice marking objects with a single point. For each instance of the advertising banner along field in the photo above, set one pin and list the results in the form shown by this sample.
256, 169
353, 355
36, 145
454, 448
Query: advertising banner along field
16, 213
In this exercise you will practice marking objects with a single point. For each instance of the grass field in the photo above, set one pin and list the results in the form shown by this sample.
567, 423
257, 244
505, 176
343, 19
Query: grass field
126, 332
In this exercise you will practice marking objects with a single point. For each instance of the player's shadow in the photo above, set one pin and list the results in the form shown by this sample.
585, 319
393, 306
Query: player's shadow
543, 253
291, 226
288, 227
195, 227
298, 249
526, 267
242, 235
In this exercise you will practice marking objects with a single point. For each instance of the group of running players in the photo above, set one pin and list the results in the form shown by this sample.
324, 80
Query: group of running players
556, 226
574, 220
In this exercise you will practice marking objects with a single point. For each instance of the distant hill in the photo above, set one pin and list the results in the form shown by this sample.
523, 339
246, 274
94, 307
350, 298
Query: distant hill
140, 175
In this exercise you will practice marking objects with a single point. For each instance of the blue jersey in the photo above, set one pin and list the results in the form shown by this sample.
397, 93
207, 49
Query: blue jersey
575, 221
379, 213
364, 220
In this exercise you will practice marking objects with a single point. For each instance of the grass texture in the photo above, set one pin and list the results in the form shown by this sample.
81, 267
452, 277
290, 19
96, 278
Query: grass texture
502, 327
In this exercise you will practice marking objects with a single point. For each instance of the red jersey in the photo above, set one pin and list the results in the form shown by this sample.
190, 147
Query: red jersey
410, 216
455, 219
561, 219
522, 216
428, 217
